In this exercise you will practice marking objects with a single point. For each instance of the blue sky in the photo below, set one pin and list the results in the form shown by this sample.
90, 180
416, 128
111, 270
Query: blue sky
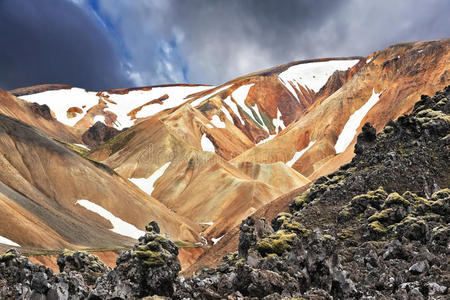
101, 44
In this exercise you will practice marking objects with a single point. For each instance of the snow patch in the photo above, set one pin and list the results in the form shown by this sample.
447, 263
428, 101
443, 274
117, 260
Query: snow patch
201, 99
217, 122
177, 95
420, 51
99, 119
147, 184
271, 137
119, 226
349, 130
8, 242
227, 114
299, 154
215, 241
121, 105
82, 146
207, 145
313, 75
207, 223
278, 123
369, 60
234, 108
59, 101
259, 118
240, 94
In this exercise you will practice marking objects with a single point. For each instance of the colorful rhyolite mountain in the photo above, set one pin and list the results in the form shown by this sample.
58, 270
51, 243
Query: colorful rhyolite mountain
197, 159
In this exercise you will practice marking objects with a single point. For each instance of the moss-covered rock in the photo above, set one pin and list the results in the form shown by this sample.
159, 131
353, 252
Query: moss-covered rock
276, 243
150, 268
376, 230
150, 258
89, 265
395, 199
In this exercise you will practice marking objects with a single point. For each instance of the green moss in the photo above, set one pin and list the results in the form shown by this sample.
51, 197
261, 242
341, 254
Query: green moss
442, 194
276, 243
359, 217
7, 256
327, 237
150, 258
346, 213
381, 216
344, 234
117, 142
283, 216
395, 199
73, 147
297, 227
300, 201
378, 228
67, 252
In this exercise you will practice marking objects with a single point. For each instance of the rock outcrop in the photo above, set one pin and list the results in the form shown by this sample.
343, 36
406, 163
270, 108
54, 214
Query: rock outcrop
88, 265
21, 279
98, 134
150, 268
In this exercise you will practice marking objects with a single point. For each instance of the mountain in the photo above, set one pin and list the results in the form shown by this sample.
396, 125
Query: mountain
386, 87
377, 228
45, 189
197, 159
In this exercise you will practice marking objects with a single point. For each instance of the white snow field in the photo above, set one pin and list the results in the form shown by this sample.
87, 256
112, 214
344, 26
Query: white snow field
207, 223
234, 108
349, 131
313, 75
147, 184
207, 145
215, 241
299, 154
8, 242
239, 95
278, 122
217, 122
201, 99
119, 226
60, 101
82, 146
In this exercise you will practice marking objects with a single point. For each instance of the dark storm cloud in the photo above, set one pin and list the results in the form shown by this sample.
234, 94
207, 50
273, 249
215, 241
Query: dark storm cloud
55, 41
211, 41
196, 41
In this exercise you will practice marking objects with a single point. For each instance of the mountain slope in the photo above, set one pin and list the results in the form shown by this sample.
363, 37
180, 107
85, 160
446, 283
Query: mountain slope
36, 115
198, 185
383, 89
377, 227
41, 182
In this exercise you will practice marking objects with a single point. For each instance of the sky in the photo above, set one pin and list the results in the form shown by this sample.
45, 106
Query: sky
103, 44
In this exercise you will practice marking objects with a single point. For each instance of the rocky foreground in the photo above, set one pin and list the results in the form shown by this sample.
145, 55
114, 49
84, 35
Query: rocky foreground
378, 228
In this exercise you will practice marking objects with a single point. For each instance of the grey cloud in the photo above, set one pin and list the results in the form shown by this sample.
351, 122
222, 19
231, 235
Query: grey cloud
202, 41
54, 41
225, 39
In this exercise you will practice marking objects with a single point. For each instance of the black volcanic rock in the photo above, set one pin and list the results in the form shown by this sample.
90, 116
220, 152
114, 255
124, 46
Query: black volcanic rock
88, 265
150, 268
41, 110
22, 279
98, 134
